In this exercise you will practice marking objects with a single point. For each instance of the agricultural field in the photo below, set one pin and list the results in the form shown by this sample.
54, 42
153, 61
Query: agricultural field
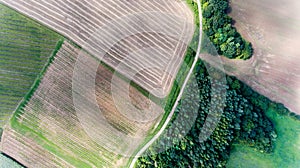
25, 48
121, 83
273, 29
116, 31
69, 122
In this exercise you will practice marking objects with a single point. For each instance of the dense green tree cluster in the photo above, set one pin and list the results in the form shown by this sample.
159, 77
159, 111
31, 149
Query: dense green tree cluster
259, 100
217, 25
241, 121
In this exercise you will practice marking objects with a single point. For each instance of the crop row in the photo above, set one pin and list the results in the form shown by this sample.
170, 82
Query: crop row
61, 128
98, 28
25, 47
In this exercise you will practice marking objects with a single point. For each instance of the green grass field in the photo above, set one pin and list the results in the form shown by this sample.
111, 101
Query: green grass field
287, 147
25, 48
8, 163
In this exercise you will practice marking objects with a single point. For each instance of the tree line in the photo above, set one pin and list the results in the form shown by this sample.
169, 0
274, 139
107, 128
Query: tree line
241, 122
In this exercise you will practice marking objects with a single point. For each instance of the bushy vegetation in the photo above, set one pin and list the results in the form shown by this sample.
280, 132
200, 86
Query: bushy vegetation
218, 26
286, 152
241, 121
287, 126
259, 100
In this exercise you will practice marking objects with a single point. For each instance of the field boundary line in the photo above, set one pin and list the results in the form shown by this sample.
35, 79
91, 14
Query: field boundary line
156, 136
36, 82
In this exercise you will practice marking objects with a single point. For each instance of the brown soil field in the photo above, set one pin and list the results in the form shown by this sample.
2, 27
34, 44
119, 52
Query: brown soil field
68, 123
273, 29
144, 40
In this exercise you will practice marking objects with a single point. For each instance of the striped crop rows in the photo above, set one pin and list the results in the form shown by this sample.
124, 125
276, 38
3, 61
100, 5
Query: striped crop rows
144, 40
25, 47
53, 126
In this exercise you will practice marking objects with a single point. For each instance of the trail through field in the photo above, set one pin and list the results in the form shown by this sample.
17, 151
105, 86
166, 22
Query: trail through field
165, 124
273, 29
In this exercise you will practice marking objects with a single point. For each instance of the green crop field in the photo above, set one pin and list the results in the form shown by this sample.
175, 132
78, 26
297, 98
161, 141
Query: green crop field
286, 152
25, 48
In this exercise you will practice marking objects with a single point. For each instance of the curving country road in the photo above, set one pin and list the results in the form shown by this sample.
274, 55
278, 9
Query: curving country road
144, 148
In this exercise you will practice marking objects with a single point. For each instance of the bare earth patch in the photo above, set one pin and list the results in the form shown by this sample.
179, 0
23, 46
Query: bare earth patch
273, 29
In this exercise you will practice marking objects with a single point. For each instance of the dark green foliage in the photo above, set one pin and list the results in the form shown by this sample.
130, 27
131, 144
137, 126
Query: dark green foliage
1, 132
258, 100
217, 25
241, 121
